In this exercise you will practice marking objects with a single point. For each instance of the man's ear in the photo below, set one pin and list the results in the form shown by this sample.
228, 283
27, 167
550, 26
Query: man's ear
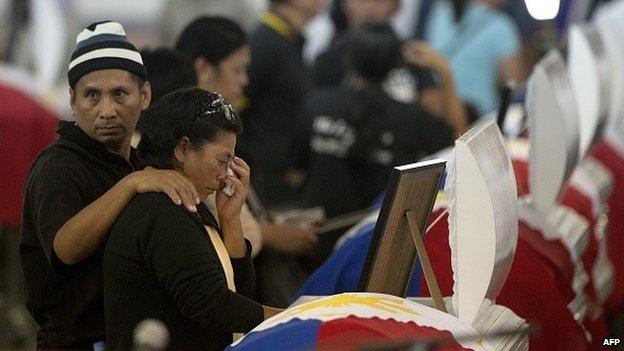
182, 149
72, 100
146, 95
205, 71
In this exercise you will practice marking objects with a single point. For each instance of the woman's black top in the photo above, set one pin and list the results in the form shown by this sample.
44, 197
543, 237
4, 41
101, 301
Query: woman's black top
159, 263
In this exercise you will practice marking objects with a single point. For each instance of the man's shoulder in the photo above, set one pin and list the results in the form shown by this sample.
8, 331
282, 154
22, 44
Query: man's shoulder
56, 159
266, 39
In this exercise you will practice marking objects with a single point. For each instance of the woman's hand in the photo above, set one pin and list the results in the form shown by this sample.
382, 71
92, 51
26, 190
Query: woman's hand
229, 208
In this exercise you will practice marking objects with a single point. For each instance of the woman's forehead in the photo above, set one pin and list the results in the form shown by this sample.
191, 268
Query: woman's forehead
224, 144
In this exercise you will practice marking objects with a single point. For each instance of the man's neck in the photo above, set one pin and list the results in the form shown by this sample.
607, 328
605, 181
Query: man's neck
294, 16
121, 150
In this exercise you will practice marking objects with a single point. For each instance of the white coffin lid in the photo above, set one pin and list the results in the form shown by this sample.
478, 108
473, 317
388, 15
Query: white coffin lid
483, 218
587, 70
553, 129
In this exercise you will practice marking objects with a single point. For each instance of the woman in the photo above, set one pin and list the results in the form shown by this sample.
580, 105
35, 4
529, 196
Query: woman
164, 262
220, 53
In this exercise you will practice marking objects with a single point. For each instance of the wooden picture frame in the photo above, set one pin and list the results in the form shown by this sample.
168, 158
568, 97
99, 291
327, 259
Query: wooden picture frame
411, 193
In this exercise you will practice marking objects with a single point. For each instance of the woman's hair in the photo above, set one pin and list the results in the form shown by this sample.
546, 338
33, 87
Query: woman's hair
194, 113
374, 51
213, 38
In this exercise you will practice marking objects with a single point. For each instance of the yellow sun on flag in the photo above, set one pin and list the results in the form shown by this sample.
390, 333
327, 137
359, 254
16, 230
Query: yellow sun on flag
387, 304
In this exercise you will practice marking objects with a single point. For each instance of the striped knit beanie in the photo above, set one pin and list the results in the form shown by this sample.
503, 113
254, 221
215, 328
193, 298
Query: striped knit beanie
103, 45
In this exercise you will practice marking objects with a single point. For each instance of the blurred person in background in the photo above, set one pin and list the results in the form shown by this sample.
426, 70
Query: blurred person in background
427, 81
356, 133
482, 45
278, 83
220, 54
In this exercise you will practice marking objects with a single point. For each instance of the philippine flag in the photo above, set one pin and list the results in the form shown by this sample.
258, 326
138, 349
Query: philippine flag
361, 321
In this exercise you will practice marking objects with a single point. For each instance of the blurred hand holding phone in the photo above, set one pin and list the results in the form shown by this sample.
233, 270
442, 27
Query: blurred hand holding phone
422, 54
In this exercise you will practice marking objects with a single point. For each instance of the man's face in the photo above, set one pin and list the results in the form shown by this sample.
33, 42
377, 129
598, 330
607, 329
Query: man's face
107, 104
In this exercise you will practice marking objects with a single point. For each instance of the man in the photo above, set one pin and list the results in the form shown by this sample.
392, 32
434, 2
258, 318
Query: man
277, 85
78, 185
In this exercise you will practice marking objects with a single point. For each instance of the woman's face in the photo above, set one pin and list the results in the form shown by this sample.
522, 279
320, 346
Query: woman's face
206, 167
230, 75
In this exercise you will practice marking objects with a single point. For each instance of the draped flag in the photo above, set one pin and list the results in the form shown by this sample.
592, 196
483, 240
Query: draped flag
610, 152
354, 321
